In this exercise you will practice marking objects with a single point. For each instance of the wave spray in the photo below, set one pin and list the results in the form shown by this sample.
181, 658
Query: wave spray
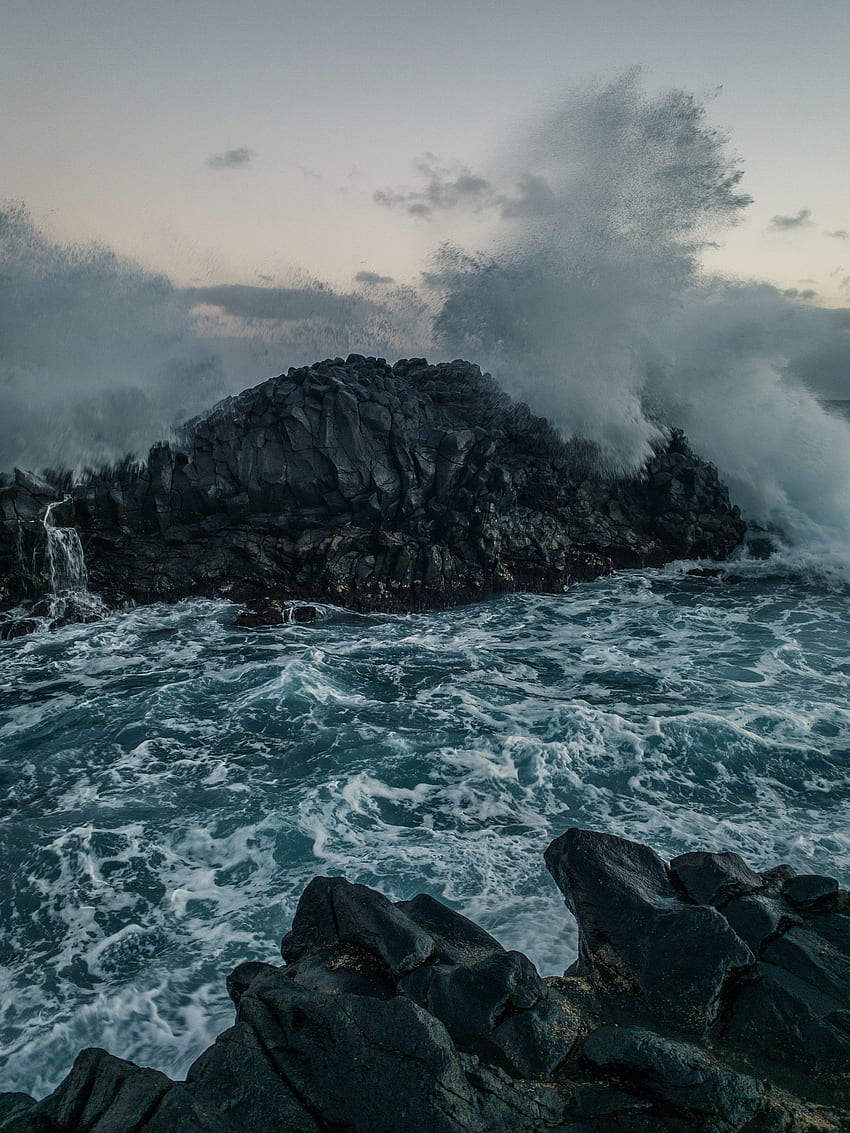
591, 305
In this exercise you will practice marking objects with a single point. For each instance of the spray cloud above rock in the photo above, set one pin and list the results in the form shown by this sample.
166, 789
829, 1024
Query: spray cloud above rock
98, 357
591, 304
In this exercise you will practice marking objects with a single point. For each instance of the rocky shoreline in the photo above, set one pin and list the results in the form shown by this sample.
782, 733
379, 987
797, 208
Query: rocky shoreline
706, 998
370, 486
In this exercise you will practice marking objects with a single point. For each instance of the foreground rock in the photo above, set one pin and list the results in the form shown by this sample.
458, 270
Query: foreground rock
706, 998
371, 486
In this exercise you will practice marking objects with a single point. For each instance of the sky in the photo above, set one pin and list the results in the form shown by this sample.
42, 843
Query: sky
228, 144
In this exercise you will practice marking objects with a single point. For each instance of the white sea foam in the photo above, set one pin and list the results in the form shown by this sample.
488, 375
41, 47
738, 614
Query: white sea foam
165, 807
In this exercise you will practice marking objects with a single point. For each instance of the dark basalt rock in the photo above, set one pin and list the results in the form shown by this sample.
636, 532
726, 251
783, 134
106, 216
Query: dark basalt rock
389, 1018
677, 1075
457, 939
334, 911
273, 613
714, 879
810, 893
369, 486
635, 933
13, 1105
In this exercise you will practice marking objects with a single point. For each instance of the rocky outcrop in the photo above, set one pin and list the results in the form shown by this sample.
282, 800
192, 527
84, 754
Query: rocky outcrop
376, 487
706, 998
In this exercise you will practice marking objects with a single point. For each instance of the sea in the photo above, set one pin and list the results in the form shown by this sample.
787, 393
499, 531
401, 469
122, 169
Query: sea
170, 781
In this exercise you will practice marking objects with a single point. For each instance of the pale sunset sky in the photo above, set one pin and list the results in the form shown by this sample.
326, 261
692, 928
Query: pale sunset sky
223, 143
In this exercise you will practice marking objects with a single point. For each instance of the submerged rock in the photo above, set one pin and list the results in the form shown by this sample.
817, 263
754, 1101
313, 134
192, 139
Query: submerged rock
373, 487
389, 1018
274, 613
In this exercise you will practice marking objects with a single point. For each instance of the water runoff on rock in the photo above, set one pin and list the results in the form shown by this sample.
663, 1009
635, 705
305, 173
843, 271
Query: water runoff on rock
69, 597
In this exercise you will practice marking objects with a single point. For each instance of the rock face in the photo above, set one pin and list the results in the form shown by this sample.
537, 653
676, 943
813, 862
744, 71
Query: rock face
706, 998
376, 487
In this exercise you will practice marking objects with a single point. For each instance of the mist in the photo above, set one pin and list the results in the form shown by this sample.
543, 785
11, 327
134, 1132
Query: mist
98, 357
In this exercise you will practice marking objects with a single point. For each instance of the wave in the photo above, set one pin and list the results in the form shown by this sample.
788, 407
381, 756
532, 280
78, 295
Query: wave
169, 782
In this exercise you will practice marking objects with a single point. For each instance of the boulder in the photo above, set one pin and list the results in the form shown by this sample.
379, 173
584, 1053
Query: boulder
332, 910
635, 933
714, 879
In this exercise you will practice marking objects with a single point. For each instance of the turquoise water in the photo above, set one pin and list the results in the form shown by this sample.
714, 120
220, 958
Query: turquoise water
169, 781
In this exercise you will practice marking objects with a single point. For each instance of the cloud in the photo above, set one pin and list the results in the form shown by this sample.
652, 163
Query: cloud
840, 234
795, 293
786, 223
310, 174
447, 187
283, 304
231, 159
456, 187
372, 277
535, 198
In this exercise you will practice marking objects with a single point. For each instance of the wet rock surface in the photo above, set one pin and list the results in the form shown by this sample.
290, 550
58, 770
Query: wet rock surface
368, 485
405, 1016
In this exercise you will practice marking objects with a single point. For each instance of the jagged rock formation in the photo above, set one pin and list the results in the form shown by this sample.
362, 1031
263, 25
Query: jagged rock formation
377, 487
706, 998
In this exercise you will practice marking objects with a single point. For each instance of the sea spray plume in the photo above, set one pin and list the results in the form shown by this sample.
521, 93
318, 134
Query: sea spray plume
98, 357
627, 188
736, 359
594, 309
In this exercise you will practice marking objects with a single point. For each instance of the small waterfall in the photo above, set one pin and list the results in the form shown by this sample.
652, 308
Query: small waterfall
69, 581
68, 574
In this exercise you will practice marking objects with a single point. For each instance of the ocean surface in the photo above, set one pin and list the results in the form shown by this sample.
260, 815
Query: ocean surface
170, 782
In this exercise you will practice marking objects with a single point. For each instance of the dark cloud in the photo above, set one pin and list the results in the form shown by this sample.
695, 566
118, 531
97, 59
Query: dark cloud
795, 293
838, 317
786, 223
231, 159
455, 187
840, 234
310, 174
535, 198
822, 360
447, 187
372, 277
284, 304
